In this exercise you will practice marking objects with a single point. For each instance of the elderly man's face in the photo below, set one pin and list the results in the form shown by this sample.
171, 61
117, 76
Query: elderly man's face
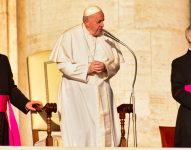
95, 23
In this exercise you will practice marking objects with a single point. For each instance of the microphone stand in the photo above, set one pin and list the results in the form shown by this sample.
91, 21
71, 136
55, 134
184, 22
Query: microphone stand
132, 94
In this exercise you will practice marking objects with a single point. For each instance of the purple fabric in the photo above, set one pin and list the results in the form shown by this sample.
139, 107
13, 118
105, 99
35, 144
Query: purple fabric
187, 88
3, 100
14, 136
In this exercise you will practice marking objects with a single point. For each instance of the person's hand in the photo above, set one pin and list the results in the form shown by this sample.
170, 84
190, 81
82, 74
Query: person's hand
96, 67
30, 104
91, 69
99, 67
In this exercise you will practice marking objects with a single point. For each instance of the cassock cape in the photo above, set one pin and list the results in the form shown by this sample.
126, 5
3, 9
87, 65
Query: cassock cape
75, 102
180, 77
8, 87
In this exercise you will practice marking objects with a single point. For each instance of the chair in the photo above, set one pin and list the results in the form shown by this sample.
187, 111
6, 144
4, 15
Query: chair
44, 78
167, 136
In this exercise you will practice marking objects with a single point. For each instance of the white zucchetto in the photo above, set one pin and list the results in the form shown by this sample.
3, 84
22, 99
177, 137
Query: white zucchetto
90, 10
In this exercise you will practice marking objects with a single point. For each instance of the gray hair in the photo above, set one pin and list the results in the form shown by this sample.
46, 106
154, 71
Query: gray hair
86, 17
188, 33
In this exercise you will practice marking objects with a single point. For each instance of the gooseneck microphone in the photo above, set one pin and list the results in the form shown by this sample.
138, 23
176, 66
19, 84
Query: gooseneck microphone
106, 33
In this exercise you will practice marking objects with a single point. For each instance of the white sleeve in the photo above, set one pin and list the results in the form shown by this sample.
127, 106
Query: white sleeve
74, 71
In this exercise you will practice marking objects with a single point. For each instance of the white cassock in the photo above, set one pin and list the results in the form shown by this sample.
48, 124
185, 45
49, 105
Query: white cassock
88, 114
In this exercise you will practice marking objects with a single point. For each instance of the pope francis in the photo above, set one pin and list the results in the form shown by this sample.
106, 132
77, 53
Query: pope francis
87, 59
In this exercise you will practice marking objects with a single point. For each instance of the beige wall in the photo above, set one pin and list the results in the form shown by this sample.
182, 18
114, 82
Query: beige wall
3, 27
154, 29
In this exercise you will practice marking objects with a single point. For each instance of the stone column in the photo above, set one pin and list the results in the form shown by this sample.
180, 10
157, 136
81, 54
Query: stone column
12, 38
24, 120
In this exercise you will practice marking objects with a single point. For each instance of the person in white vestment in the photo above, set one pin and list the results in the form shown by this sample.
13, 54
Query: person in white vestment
88, 59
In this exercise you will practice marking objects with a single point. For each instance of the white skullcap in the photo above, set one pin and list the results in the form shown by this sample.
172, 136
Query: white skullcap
90, 10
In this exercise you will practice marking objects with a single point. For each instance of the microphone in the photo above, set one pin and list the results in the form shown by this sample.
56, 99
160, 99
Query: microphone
106, 33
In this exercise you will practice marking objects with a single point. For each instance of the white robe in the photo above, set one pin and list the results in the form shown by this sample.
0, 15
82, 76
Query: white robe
85, 103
